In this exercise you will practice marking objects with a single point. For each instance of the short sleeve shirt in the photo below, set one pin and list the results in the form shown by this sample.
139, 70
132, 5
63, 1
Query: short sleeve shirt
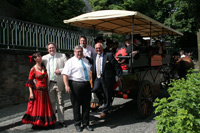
74, 69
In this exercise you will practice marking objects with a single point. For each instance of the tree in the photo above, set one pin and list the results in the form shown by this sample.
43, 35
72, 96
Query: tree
49, 12
181, 15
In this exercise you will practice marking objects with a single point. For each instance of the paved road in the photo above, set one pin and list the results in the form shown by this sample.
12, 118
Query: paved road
123, 119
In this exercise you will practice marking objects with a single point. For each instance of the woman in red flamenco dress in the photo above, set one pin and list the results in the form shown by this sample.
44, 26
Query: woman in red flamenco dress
39, 111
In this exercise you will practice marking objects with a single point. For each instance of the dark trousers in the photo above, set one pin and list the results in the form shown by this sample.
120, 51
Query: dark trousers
80, 95
99, 87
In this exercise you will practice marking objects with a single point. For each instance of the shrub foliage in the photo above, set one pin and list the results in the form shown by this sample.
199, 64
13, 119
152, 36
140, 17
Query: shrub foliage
180, 113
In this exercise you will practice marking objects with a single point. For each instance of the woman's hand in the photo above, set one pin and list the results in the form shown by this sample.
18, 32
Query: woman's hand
31, 96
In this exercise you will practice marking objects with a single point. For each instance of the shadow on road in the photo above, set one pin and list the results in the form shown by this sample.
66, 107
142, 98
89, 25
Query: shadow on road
120, 115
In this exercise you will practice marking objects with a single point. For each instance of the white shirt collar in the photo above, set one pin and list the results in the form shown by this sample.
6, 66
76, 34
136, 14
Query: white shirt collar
83, 47
53, 56
77, 59
101, 55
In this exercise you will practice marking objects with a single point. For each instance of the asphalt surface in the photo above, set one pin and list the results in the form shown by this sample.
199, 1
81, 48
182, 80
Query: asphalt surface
124, 118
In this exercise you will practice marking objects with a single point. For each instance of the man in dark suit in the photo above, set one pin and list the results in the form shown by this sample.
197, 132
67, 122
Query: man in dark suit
105, 67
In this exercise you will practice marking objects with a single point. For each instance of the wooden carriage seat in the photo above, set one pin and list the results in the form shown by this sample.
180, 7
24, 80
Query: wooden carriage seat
156, 60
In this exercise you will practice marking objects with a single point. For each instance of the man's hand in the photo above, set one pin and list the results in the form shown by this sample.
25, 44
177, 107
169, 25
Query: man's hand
134, 53
120, 61
120, 78
57, 72
67, 89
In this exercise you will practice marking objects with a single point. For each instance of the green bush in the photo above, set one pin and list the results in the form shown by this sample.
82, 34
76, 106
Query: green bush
180, 113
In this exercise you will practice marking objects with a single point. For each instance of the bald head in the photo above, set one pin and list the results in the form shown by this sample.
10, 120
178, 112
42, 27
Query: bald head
99, 48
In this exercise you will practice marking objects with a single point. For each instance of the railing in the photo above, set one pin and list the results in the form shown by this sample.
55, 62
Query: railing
16, 34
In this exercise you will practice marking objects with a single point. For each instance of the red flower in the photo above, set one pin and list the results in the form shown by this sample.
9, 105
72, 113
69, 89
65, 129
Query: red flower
31, 60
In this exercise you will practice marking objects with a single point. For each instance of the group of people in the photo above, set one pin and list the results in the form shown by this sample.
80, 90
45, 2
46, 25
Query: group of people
89, 71
53, 74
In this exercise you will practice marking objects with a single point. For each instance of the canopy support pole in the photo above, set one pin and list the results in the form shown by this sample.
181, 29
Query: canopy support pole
94, 35
112, 35
162, 38
94, 32
150, 34
132, 35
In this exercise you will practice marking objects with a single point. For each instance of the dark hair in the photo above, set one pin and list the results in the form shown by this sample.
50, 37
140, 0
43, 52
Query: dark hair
34, 56
51, 43
83, 37
157, 41
135, 36
99, 38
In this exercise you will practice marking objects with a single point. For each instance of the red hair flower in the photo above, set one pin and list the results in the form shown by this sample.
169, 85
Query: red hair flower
31, 60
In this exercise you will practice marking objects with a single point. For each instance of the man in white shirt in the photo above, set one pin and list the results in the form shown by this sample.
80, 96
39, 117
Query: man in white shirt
54, 63
88, 50
76, 77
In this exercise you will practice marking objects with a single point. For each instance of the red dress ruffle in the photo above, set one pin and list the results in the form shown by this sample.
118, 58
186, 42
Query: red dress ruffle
39, 111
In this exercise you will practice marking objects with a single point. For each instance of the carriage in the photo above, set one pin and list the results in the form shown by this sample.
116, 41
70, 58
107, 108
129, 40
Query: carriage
147, 73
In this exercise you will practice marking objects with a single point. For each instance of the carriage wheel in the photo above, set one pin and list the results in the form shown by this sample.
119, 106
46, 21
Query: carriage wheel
145, 99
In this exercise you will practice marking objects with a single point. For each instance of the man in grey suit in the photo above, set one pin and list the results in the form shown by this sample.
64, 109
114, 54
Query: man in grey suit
55, 63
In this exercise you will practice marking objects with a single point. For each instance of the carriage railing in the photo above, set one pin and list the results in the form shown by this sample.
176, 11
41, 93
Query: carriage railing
146, 63
146, 60
17, 34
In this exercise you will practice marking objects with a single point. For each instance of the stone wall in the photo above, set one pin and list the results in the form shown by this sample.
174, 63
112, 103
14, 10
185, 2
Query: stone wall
14, 71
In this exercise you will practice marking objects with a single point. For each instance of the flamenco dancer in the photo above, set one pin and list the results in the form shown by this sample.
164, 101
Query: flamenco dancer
39, 111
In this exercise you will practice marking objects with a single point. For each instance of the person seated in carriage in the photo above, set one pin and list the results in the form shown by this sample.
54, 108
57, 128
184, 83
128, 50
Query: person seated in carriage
137, 45
164, 51
127, 50
99, 39
158, 47
109, 45
115, 47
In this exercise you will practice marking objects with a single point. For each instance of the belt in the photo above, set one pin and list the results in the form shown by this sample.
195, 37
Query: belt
53, 81
100, 77
79, 81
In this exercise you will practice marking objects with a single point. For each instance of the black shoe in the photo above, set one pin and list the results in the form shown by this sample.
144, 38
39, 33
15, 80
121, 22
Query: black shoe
62, 124
89, 128
78, 128
51, 126
36, 127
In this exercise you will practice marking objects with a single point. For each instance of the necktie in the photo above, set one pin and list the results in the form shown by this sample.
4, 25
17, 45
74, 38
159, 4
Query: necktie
52, 68
84, 69
98, 66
